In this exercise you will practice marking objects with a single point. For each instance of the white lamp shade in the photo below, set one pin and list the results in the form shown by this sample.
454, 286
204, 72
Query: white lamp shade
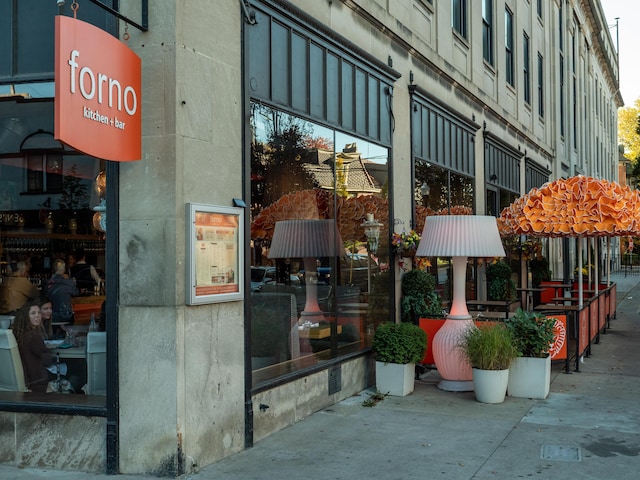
306, 238
460, 236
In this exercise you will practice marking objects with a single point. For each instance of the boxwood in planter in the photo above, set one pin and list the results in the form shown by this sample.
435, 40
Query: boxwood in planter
399, 343
419, 298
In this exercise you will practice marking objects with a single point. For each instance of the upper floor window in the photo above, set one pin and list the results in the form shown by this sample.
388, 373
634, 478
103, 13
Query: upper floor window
508, 45
540, 85
459, 17
539, 8
487, 31
526, 68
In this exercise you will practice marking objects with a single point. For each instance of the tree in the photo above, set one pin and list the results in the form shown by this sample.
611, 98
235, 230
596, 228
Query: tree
628, 127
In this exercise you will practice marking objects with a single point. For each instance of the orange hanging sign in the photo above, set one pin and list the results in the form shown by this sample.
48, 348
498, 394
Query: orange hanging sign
98, 102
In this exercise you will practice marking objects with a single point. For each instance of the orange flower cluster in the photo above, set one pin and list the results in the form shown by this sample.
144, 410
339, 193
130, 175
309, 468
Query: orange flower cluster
423, 212
318, 204
577, 206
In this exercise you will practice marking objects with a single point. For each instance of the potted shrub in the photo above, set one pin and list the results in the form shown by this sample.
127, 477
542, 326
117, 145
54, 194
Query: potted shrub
530, 373
397, 347
501, 285
419, 298
490, 349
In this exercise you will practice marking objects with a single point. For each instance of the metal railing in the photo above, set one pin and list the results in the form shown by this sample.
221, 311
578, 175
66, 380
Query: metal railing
623, 264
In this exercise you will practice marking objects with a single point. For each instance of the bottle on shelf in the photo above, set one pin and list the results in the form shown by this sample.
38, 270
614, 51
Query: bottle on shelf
92, 325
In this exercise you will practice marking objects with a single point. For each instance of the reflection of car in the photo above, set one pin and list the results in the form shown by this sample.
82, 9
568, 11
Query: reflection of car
267, 275
354, 270
261, 276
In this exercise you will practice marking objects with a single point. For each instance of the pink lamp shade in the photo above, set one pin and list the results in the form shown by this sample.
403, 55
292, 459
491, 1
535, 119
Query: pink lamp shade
459, 237
307, 239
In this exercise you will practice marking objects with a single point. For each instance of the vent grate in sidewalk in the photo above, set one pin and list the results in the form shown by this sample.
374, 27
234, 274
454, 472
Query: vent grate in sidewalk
562, 453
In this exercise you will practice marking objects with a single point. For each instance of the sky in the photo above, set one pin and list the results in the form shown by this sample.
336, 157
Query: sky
628, 12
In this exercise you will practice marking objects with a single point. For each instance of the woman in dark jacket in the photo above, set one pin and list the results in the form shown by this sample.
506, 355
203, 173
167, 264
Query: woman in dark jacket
27, 328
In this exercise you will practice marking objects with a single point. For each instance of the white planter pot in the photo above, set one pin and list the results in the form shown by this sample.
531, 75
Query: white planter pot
395, 379
529, 377
490, 386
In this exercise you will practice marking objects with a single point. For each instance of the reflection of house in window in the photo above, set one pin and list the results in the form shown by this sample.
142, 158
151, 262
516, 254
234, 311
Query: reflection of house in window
346, 172
44, 172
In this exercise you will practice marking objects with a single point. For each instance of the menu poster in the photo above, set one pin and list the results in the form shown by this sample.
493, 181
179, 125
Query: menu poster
214, 236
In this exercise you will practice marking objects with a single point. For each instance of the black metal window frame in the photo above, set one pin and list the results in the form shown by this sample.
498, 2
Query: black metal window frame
540, 85
487, 31
526, 67
508, 46
297, 64
440, 135
459, 17
501, 164
534, 175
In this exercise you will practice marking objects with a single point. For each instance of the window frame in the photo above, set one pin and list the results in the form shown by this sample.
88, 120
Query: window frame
508, 45
526, 67
540, 85
487, 32
459, 17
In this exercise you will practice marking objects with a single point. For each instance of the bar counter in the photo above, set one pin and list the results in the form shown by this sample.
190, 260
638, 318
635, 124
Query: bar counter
83, 307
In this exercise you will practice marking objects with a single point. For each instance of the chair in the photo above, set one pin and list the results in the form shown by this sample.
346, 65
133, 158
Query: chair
11, 373
5, 321
96, 364
285, 305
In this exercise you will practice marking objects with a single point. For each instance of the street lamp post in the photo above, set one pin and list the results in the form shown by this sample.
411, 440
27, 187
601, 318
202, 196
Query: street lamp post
372, 232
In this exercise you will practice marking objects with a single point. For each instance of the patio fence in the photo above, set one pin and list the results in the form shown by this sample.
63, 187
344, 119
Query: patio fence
625, 264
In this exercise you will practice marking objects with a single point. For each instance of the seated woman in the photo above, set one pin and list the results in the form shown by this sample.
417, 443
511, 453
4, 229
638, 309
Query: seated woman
46, 312
27, 328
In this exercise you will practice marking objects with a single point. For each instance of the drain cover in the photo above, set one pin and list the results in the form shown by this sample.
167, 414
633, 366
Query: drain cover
560, 452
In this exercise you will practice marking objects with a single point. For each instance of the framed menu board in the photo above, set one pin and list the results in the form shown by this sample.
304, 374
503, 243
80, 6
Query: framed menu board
214, 254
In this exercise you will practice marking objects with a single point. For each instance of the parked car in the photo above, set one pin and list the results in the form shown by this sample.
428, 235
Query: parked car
267, 275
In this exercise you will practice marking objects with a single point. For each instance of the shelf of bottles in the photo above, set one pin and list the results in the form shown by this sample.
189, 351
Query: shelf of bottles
42, 249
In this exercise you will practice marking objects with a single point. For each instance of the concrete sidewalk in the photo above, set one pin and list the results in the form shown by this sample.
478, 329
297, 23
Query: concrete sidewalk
588, 427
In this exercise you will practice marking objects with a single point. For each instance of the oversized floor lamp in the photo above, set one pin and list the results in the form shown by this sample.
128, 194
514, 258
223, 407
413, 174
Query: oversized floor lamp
309, 240
459, 237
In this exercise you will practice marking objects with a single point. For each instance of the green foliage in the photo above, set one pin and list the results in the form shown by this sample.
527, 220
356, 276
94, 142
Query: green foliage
532, 333
399, 343
501, 286
419, 298
539, 270
489, 346
268, 331
74, 192
417, 282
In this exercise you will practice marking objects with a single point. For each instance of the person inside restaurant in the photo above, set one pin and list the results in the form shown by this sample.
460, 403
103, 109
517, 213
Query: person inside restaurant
35, 356
46, 313
16, 289
60, 290
84, 274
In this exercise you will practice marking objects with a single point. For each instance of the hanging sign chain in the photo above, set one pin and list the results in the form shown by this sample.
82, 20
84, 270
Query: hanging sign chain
125, 36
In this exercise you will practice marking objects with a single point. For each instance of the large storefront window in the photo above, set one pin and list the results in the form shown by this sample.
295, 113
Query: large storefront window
304, 171
442, 192
51, 253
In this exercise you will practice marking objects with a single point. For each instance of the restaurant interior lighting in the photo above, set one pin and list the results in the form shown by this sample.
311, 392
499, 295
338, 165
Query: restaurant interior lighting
459, 237
309, 240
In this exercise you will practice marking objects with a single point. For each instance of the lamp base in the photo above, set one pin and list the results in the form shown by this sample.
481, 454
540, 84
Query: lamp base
456, 385
311, 317
453, 366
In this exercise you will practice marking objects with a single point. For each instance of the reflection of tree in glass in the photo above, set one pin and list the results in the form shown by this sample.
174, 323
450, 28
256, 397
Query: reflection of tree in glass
277, 158
74, 191
446, 188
